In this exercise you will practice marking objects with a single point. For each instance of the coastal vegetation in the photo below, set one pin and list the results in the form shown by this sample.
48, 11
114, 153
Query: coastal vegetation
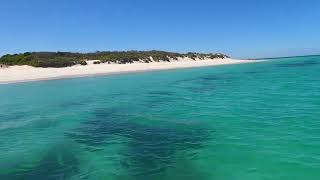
65, 59
3, 66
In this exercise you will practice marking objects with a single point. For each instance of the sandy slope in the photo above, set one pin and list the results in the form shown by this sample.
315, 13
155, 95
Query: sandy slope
27, 73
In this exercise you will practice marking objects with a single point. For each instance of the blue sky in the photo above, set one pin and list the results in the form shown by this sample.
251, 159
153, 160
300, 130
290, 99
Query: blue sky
240, 28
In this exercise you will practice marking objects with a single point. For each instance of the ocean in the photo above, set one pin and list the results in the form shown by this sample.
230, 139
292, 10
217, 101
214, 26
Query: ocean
246, 121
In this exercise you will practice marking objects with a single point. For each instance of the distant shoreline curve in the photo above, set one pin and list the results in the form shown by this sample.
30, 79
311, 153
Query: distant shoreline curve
18, 74
283, 57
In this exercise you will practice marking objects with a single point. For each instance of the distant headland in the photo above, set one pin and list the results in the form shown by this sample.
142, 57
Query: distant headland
65, 59
34, 66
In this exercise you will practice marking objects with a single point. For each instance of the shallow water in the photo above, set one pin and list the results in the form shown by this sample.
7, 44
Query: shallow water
248, 121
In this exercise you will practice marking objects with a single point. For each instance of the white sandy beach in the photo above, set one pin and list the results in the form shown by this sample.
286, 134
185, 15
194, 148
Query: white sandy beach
15, 74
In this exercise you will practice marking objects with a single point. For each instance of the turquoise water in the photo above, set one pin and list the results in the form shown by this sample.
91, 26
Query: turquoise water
250, 121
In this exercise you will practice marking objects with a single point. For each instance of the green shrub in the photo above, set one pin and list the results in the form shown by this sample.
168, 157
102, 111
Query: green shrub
64, 59
83, 62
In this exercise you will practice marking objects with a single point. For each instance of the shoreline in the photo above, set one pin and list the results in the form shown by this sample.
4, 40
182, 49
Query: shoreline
20, 74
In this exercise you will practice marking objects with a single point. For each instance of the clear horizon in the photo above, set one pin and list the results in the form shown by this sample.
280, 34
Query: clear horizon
246, 29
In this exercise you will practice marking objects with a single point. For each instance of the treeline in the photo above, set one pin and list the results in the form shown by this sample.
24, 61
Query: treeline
64, 59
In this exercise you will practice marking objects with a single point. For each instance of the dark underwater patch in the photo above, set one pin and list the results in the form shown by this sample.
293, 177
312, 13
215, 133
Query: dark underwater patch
161, 93
199, 80
211, 78
14, 116
206, 84
214, 79
155, 98
299, 64
58, 163
75, 103
104, 125
151, 148
158, 99
253, 72
203, 89
15, 120
203, 84
71, 104
183, 82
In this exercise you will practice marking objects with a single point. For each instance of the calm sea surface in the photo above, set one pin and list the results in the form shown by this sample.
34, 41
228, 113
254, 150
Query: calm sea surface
250, 121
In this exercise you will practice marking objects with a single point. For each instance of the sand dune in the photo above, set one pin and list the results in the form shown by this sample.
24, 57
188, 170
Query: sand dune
15, 74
